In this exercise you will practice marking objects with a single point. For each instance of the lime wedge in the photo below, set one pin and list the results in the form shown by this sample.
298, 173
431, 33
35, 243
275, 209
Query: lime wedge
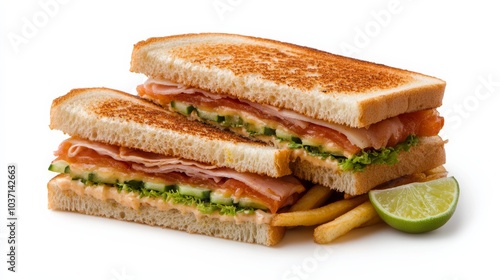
417, 207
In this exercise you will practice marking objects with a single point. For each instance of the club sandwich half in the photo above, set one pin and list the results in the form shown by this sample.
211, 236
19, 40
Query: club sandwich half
351, 125
129, 159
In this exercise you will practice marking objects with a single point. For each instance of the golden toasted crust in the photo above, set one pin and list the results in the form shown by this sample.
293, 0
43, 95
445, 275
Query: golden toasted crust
61, 196
118, 118
312, 82
114, 104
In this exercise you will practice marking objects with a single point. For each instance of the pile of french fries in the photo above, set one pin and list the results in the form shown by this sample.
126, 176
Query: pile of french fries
337, 218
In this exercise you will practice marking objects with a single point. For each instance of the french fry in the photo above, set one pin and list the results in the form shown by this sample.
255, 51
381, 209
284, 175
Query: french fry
358, 216
436, 173
438, 170
313, 198
364, 215
371, 222
319, 215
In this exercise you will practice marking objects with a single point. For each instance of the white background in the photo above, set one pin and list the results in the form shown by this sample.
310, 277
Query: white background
49, 47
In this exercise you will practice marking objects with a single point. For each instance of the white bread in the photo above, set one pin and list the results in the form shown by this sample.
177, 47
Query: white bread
118, 118
311, 82
427, 154
64, 199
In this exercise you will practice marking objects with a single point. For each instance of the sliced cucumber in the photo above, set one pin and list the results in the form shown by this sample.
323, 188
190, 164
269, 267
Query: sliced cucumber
283, 135
210, 116
135, 184
170, 188
232, 121
220, 198
85, 177
59, 166
161, 187
200, 193
269, 131
250, 203
155, 186
296, 139
254, 129
104, 178
182, 107
91, 177
312, 143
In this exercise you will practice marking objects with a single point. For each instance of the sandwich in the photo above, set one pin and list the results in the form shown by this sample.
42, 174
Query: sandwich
129, 159
350, 124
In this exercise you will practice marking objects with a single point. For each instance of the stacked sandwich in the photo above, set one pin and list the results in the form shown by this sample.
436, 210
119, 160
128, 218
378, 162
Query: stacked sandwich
231, 118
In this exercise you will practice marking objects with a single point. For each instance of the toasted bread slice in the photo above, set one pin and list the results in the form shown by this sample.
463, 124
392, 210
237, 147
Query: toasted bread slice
118, 118
66, 194
314, 83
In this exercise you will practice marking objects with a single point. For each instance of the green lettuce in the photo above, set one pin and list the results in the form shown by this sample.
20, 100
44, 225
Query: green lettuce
360, 161
388, 156
175, 197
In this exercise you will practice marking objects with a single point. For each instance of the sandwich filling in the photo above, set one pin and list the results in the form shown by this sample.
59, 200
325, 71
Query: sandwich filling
208, 188
352, 148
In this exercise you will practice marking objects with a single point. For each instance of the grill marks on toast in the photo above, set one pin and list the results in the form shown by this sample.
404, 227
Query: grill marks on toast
302, 68
131, 110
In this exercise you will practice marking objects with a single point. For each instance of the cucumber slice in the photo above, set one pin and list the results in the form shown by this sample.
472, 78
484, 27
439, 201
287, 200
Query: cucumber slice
219, 198
170, 188
59, 166
232, 121
210, 116
254, 129
311, 142
269, 131
296, 139
182, 107
200, 193
104, 178
155, 186
161, 187
85, 177
283, 135
91, 177
135, 184
250, 203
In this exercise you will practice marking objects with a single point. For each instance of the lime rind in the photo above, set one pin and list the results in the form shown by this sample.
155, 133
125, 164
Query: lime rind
423, 214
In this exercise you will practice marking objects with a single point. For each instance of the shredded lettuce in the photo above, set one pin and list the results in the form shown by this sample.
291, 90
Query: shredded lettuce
360, 161
388, 156
175, 197
172, 195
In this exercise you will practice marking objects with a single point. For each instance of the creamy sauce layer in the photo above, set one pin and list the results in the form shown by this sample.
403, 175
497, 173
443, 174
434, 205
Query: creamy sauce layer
134, 201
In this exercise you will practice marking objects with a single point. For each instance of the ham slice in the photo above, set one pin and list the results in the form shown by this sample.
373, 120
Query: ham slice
277, 189
383, 134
